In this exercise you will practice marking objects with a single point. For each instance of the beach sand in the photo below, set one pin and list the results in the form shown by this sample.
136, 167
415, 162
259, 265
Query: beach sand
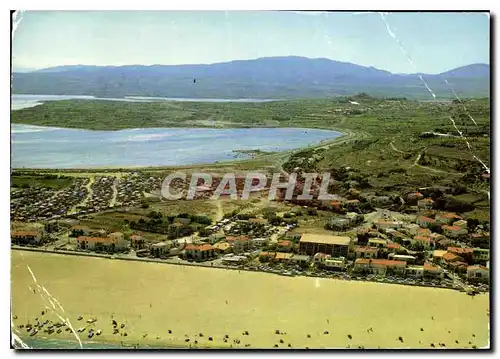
154, 298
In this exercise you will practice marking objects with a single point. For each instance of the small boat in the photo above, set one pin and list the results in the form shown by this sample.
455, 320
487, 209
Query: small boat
98, 332
33, 332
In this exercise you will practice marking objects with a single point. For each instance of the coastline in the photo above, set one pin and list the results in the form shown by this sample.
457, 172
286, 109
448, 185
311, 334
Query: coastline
152, 299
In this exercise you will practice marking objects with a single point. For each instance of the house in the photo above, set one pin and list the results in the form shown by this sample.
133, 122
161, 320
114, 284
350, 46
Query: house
464, 252
108, 244
383, 224
159, 249
412, 228
433, 271
284, 246
425, 222
460, 223
137, 242
425, 203
365, 252
451, 257
437, 256
424, 240
424, 232
480, 255
117, 236
377, 243
199, 252
480, 239
78, 230
395, 248
412, 198
446, 218
351, 204
478, 273
26, 237
361, 265
387, 266
222, 247
239, 243
231, 259
444, 243
333, 263
458, 267
336, 246
282, 257
300, 259
339, 223
402, 257
415, 271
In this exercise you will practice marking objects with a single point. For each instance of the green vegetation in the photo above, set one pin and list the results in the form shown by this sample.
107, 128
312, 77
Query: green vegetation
392, 146
47, 180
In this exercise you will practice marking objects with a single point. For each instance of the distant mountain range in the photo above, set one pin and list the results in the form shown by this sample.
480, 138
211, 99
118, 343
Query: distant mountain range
270, 77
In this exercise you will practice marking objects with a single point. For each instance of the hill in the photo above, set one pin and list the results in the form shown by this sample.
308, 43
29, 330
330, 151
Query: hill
271, 77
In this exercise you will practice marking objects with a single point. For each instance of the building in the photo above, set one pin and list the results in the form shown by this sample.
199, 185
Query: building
222, 247
379, 266
137, 242
425, 203
282, 257
478, 273
159, 249
433, 271
453, 231
460, 223
199, 252
458, 267
437, 256
481, 255
26, 237
336, 246
451, 257
301, 259
259, 242
426, 241
106, 244
466, 253
424, 232
415, 271
239, 243
425, 222
231, 259
447, 218
377, 243
403, 258
383, 224
365, 252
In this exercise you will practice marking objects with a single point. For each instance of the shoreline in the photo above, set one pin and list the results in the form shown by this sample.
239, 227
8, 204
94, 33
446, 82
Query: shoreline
193, 302
233, 268
345, 135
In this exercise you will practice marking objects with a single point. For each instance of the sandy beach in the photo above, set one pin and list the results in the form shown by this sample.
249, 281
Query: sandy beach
197, 303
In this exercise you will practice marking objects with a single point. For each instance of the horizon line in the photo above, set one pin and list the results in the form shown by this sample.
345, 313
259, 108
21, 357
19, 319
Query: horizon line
29, 70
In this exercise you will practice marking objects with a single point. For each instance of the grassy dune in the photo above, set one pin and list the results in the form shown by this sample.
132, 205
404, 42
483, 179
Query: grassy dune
153, 298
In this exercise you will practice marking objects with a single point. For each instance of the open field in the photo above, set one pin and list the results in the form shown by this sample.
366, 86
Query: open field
154, 298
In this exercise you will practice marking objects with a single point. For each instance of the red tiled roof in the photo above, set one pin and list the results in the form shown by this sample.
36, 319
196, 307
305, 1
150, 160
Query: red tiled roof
284, 243
394, 245
205, 247
431, 268
136, 237
426, 219
451, 228
236, 238
459, 250
450, 256
267, 254
191, 247
449, 215
388, 262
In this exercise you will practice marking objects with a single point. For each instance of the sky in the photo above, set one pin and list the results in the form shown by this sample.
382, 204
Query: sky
435, 42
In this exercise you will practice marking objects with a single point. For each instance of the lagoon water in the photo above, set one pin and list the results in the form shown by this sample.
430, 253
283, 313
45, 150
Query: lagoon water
48, 147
